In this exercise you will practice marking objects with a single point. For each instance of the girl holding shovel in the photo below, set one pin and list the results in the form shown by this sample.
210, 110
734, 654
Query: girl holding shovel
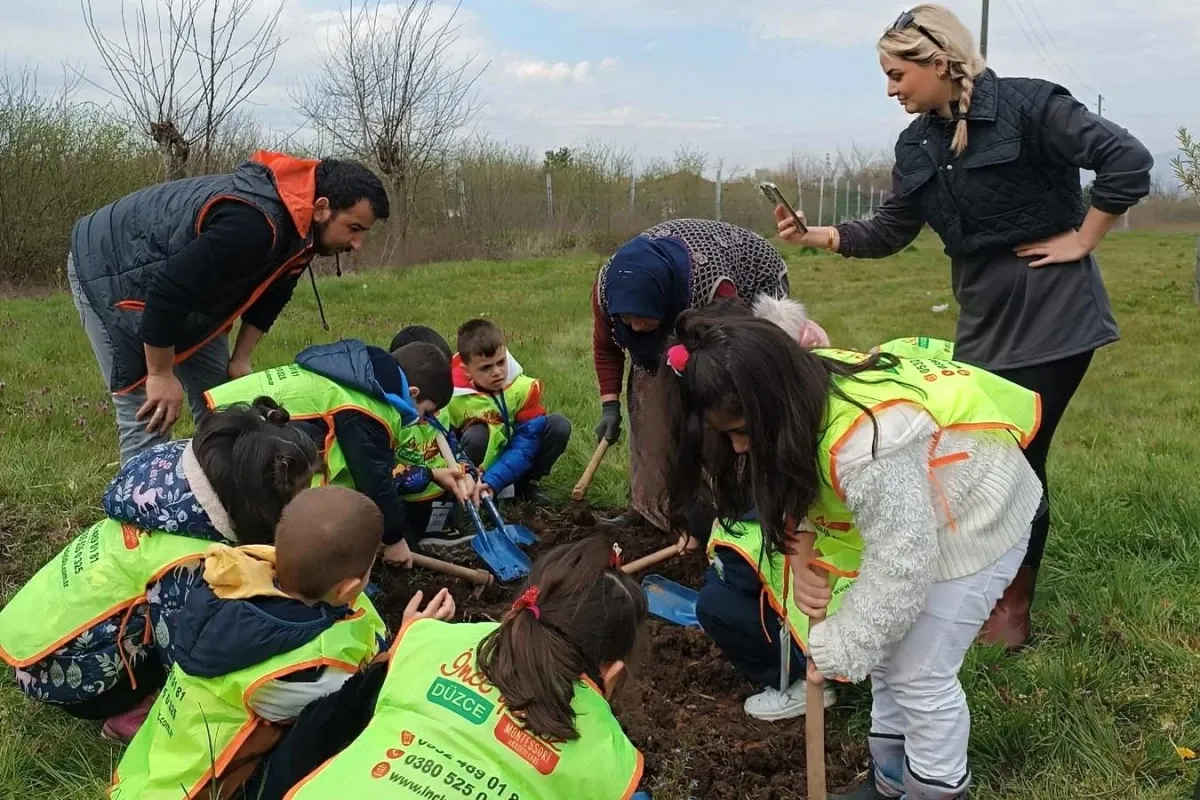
909, 471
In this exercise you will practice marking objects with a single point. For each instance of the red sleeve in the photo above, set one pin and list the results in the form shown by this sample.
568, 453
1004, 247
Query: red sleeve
533, 407
725, 289
607, 355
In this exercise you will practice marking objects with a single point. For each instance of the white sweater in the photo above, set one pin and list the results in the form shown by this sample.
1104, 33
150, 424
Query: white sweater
909, 540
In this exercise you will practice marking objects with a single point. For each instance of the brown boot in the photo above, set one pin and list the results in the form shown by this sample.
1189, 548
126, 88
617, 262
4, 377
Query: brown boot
1009, 622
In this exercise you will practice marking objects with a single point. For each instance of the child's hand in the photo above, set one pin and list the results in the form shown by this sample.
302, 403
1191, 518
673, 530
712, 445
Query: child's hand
814, 675
441, 607
811, 591
398, 554
451, 480
481, 490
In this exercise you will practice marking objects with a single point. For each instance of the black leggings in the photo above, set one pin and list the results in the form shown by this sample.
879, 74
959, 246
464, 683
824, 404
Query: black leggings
123, 697
1056, 382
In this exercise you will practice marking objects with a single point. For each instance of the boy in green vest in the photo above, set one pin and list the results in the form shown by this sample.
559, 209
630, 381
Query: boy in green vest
268, 631
354, 399
498, 413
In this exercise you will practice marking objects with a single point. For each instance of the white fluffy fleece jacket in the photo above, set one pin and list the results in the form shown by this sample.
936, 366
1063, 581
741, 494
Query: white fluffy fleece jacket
909, 539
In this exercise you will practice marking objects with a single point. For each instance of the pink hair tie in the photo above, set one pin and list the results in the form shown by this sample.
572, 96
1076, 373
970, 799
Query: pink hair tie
677, 358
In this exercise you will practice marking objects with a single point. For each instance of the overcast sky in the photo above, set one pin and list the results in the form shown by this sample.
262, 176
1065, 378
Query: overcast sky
747, 81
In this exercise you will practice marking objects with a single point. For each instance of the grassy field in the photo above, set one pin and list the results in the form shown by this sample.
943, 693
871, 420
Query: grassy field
1105, 705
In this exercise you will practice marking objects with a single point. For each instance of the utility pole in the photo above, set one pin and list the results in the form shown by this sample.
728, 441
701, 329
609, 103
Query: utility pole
1100, 105
983, 30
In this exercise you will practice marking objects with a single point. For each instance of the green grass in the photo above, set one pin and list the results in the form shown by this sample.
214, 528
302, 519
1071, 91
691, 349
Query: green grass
1095, 710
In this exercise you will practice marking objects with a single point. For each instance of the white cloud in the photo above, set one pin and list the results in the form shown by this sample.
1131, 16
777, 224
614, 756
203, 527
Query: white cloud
608, 62
557, 72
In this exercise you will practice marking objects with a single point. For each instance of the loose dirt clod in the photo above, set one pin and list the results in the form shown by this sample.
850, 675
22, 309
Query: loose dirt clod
683, 707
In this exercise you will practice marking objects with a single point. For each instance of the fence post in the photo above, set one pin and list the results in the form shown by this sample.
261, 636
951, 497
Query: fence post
718, 195
821, 203
462, 199
859, 215
550, 196
835, 196
632, 192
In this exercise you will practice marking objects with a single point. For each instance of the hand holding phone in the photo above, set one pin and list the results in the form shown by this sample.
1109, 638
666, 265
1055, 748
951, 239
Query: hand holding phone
772, 193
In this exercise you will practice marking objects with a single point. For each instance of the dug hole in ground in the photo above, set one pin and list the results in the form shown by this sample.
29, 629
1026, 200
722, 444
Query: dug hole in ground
683, 708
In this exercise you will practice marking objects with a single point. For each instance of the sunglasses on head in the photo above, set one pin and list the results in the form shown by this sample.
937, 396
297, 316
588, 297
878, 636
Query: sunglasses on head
907, 20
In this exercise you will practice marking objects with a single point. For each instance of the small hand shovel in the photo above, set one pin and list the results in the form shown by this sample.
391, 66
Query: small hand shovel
519, 534
498, 551
666, 599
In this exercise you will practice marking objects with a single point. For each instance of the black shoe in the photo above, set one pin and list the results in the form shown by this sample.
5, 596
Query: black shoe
626, 519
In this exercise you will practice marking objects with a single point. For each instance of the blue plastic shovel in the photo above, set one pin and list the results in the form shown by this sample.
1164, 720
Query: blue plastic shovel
499, 552
519, 534
671, 601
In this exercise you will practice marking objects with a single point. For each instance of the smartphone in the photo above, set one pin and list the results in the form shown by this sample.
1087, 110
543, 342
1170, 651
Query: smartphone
776, 197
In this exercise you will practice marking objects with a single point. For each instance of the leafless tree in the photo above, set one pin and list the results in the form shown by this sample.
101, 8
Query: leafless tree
391, 90
183, 67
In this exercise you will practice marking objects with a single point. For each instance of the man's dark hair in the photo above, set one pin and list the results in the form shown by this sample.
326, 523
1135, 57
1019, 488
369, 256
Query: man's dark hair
420, 333
344, 183
479, 338
427, 368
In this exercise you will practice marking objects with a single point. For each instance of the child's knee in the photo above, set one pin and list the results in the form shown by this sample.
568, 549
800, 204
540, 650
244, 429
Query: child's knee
474, 441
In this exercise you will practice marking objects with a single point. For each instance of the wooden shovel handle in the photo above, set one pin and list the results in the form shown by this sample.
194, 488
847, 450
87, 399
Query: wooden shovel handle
444, 448
586, 480
476, 576
814, 716
658, 556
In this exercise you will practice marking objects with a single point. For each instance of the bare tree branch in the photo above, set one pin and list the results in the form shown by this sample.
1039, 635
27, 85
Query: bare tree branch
391, 91
183, 73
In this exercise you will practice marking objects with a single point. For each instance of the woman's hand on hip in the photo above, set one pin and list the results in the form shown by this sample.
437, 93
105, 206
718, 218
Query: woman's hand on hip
1061, 249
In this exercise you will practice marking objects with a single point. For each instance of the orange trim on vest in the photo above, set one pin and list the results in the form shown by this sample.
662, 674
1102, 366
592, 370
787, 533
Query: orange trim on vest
114, 610
225, 326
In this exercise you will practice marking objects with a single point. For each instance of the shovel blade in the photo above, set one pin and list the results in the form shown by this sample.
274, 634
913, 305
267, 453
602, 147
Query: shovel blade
670, 601
507, 561
520, 535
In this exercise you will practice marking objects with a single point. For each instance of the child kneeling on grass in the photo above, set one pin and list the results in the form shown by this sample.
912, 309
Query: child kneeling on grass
353, 399
518, 708
92, 631
498, 413
269, 630
914, 473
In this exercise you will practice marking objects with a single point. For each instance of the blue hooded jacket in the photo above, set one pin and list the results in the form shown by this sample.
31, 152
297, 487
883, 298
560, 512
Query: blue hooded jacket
365, 443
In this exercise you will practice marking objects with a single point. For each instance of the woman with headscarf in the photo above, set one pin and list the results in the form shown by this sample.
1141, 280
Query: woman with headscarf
676, 265
992, 164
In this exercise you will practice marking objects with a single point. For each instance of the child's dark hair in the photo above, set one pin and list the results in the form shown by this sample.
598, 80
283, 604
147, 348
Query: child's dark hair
345, 183
747, 367
427, 368
479, 338
256, 463
588, 614
326, 535
420, 333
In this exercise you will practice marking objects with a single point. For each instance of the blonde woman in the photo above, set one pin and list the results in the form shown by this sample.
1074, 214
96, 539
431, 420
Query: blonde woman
993, 166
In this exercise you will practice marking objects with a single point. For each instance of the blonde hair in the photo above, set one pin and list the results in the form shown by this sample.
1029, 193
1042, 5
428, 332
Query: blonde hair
957, 47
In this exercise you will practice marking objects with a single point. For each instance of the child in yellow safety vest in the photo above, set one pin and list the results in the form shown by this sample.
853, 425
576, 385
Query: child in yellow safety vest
354, 399
92, 632
498, 413
268, 631
910, 476
515, 709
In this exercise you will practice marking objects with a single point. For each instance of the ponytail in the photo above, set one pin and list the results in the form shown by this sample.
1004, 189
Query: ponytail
256, 463
966, 86
578, 612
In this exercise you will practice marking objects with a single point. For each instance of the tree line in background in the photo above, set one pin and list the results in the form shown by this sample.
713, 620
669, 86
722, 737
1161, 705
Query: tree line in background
390, 90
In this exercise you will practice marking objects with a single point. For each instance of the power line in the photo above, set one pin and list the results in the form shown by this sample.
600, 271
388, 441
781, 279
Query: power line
1037, 51
1054, 44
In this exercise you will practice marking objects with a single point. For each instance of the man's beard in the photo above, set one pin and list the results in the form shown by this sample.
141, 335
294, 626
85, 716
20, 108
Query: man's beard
319, 244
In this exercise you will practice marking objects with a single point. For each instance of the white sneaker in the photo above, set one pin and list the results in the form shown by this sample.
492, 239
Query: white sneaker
771, 704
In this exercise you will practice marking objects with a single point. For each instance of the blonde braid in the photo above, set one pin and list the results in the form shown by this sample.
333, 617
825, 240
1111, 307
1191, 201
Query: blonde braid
966, 85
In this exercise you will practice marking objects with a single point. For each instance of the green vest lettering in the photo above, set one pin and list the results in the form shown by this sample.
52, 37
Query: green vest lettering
416, 446
441, 730
470, 409
955, 395
104, 571
307, 395
197, 725
919, 347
